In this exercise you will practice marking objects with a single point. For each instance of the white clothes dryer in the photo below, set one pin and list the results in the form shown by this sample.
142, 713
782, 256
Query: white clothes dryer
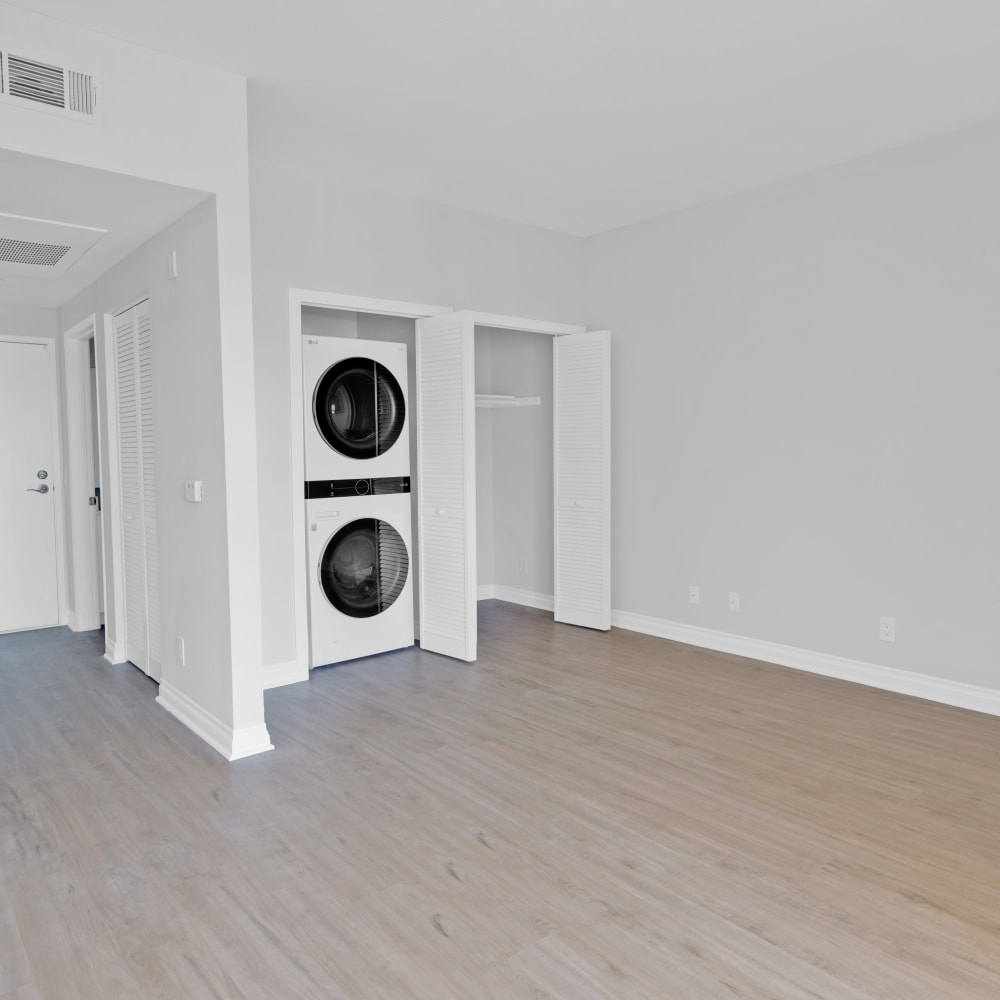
356, 421
360, 559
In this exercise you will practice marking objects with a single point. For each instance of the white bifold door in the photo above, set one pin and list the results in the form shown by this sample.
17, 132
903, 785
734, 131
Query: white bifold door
137, 487
582, 452
446, 486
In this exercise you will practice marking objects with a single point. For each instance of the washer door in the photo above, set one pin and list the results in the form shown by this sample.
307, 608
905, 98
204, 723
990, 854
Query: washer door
364, 567
358, 408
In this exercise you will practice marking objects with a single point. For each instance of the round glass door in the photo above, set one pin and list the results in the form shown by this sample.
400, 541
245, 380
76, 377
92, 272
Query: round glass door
358, 407
364, 567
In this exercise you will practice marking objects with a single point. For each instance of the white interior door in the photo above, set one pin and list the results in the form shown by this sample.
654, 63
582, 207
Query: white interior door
446, 484
582, 448
28, 581
137, 487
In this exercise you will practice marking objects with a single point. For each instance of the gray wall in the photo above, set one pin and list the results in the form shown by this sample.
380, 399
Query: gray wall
806, 408
802, 377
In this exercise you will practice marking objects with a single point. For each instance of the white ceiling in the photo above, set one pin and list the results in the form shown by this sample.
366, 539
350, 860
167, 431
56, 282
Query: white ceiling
580, 115
132, 210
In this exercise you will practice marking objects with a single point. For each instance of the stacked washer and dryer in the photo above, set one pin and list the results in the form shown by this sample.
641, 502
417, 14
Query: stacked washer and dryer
357, 494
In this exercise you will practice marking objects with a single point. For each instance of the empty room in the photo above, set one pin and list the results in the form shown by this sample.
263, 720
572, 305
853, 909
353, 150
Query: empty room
497, 500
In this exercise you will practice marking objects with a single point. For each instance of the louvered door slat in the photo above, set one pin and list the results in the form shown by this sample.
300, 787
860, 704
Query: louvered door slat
130, 490
144, 381
137, 486
582, 413
446, 485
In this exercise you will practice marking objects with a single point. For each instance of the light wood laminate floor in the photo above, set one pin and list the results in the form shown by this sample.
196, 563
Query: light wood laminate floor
578, 815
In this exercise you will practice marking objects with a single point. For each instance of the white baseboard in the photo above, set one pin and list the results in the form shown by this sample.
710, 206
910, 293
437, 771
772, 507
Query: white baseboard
280, 674
114, 652
970, 696
76, 625
232, 744
528, 598
486, 592
249, 741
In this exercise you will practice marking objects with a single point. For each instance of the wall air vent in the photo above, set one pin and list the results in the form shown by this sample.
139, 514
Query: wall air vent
46, 86
37, 248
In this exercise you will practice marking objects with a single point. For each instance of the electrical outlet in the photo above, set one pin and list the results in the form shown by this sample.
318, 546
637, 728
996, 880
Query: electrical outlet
180, 651
694, 594
887, 629
734, 600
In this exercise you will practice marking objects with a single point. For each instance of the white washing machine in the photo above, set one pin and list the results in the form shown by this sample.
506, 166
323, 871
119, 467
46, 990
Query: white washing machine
360, 567
356, 424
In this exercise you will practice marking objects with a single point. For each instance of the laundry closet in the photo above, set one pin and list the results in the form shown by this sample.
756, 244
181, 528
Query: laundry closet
501, 474
357, 374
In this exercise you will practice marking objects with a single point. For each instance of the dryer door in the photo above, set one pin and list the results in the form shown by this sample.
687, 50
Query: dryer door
364, 567
359, 408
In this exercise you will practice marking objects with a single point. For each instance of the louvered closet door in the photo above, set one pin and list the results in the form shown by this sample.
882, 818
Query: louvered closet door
137, 487
582, 417
446, 484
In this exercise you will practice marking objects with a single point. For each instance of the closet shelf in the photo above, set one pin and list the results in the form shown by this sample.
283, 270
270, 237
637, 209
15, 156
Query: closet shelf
488, 401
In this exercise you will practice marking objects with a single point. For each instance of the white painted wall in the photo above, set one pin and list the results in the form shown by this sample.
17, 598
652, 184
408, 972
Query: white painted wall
28, 321
310, 231
171, 121
319, 322
806, 409
192, 537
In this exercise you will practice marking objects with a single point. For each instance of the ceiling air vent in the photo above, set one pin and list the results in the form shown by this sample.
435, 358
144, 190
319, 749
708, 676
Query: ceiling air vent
48, 86
37, 248
41, 254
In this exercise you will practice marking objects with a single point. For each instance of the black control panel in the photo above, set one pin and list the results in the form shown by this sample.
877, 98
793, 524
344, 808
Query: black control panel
318, 489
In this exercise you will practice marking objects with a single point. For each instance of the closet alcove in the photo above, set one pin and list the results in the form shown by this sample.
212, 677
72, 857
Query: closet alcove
514, 467
515, 503
559, 429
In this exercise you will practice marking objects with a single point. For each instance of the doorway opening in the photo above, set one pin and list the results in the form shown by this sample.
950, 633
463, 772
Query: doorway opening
83, 492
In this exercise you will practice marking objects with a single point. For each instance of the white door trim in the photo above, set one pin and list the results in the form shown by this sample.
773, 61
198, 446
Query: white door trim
498, 322
114, 597
84, 615
56, 476
297, 298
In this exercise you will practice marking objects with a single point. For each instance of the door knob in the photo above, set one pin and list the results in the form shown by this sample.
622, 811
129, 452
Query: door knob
44, 488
